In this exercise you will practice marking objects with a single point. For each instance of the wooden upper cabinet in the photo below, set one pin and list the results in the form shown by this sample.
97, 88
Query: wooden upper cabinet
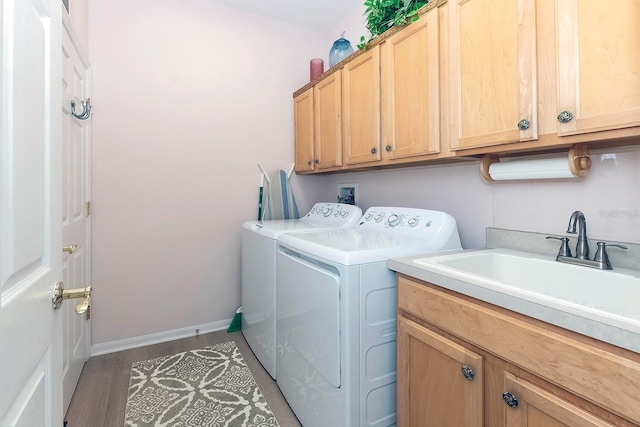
472, 77
411, 86
303, 131
440, 383
493, 72
598, 65
328, 124
361, 107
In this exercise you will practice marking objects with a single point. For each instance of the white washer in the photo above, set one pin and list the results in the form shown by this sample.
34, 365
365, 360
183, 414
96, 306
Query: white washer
259, 269
336, 314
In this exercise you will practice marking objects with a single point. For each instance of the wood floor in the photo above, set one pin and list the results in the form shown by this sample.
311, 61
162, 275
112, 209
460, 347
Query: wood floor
101, 395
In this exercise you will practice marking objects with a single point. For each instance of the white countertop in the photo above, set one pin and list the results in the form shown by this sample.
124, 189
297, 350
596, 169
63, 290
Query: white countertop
594, 329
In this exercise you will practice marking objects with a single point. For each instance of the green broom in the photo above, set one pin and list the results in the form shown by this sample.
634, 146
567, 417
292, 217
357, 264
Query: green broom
236, 323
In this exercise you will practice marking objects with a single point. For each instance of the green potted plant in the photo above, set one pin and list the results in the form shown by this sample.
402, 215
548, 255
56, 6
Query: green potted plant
384, 14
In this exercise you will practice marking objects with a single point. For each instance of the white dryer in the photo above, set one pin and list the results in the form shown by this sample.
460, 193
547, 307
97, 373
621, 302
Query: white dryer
336, 314
259, 247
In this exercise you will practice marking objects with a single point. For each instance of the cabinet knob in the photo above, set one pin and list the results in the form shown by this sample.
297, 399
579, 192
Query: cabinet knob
374, 150
565, 117
524, 124
316, 161
510, 400
309, 163
388, 148
467, 372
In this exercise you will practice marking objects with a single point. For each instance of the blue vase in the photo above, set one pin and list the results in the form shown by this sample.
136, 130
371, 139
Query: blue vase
341, 49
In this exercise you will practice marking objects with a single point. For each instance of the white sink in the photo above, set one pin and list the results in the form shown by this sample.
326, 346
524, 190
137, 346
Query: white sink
611, 297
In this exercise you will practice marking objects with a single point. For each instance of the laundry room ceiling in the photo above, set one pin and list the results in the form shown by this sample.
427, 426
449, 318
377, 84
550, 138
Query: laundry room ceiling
314, 14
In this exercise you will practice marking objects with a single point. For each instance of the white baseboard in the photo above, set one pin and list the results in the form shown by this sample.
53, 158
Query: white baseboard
158, 337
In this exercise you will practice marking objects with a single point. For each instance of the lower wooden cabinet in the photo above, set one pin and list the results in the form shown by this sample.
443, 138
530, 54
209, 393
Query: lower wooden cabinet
463, 362
452, 395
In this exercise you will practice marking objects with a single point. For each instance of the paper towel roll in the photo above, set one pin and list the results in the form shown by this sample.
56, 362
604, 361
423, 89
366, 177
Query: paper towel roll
531, 169
575, 164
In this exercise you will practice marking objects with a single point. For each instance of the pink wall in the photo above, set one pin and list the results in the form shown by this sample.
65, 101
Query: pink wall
79, 15
188, 96
609, 197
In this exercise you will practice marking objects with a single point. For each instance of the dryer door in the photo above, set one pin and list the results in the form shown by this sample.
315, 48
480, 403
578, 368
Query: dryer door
259, 296
308, 319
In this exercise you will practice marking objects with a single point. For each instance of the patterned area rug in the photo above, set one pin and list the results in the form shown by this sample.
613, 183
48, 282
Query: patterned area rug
210, 387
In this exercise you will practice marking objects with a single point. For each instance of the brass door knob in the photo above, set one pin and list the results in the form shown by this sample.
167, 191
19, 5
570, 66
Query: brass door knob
70, 249
60, 294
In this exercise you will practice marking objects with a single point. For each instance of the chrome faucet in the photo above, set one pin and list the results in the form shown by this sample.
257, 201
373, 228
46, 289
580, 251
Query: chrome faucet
582, 247
601, 259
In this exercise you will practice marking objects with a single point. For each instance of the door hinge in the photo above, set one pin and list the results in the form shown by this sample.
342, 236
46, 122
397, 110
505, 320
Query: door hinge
87, 210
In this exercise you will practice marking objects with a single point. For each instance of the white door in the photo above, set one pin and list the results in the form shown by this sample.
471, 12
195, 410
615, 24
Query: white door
76, 227
30, 213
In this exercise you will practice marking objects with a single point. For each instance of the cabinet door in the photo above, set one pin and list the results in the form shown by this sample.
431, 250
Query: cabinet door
361, 108
598, 65
432, 389
412, 97
303, 129
328, 125
531, 406
493, 68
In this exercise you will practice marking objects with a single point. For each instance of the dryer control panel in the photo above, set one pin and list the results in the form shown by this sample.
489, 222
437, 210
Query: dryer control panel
334, 214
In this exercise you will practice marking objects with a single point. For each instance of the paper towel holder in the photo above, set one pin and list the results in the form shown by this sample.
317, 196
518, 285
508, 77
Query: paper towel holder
578, 158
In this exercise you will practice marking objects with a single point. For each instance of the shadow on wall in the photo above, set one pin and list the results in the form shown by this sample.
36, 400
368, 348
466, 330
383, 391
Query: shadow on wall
540, 206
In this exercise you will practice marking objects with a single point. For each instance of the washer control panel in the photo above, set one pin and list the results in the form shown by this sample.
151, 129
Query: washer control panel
334, 214
403, 221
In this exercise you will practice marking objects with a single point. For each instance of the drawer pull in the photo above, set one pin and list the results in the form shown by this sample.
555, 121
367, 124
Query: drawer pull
510, 400
467, 372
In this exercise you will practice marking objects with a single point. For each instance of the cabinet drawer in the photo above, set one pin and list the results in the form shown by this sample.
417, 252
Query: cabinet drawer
600, 376
538, 407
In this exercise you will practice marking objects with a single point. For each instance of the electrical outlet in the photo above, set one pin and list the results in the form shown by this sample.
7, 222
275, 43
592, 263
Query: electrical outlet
348, 194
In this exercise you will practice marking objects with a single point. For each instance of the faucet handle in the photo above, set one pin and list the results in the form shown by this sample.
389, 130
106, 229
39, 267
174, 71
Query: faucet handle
602, 256
564, 246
